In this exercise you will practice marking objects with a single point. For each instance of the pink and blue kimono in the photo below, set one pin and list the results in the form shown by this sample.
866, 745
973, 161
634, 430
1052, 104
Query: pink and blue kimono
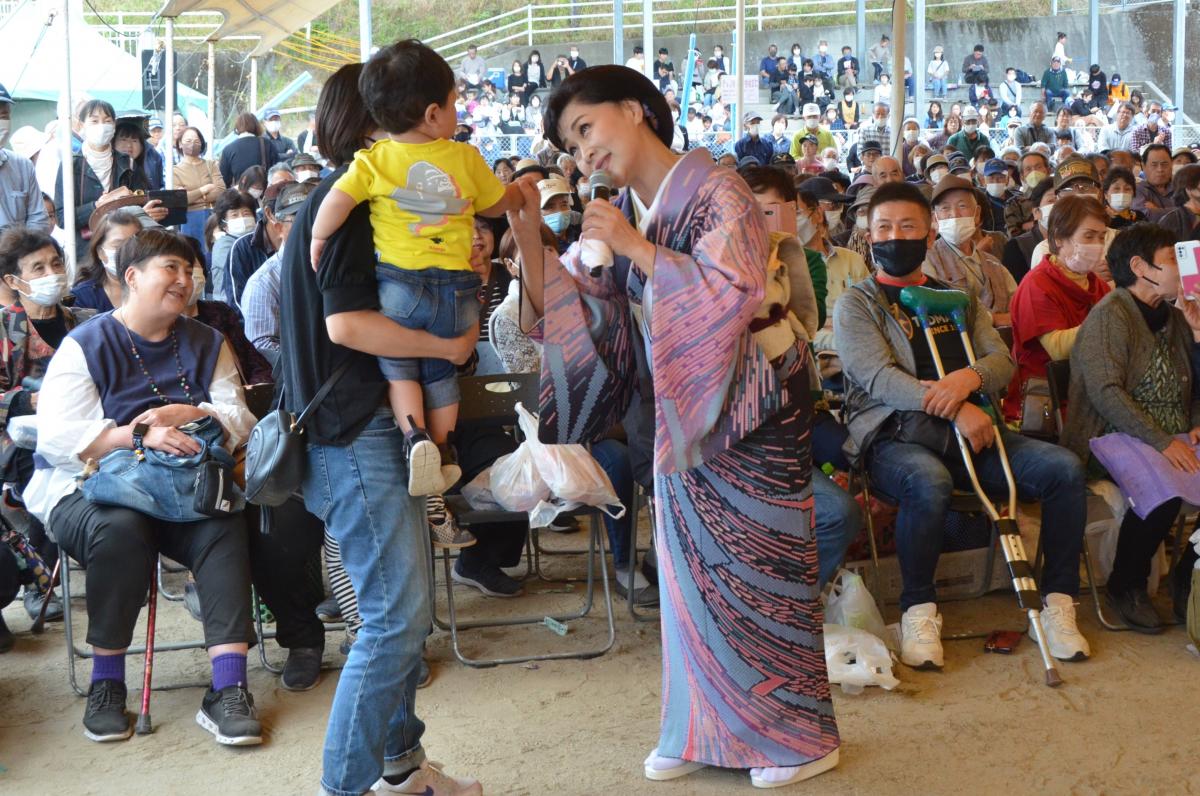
744, 680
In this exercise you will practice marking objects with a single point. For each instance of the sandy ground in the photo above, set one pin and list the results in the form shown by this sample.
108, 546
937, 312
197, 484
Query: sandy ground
1124, 722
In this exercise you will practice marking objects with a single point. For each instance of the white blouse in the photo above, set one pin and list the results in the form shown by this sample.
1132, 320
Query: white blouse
70, 418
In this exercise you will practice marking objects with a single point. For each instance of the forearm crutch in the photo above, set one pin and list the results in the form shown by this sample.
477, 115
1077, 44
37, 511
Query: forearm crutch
924, 301
144, 726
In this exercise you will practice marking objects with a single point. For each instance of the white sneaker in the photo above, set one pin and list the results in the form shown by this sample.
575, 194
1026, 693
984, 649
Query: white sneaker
430, 780
779, 777
660, 768
921, 637
1062, 635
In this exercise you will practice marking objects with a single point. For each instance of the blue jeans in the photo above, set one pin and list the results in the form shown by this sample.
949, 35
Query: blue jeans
921, 483
838, 521
443, 303
357, 491
613, 457
938, 87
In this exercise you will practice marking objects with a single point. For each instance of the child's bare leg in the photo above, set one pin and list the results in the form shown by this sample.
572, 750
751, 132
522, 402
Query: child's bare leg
424, 461
441, 423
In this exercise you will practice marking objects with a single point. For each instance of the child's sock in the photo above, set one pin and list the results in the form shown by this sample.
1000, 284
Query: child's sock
109, 667
228, 669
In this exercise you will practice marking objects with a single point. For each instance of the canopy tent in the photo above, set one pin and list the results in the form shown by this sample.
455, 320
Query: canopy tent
34, 56
271, 20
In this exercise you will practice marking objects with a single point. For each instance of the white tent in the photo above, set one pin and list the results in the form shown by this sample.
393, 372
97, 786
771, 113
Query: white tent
273, 20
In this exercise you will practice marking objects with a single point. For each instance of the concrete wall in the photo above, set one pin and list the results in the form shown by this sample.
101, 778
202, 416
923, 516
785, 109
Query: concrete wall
1135, 43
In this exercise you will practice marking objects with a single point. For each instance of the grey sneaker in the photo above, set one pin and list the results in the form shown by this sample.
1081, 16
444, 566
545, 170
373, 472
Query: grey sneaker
444, 530
230, 716
104, 718
302, 671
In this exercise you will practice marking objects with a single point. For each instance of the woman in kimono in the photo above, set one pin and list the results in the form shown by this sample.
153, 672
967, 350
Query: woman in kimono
667, 334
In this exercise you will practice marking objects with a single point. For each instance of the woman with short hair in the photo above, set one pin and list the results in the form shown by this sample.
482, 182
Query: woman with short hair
235, 214
130, 379
98, 285
202, 180
1132, 371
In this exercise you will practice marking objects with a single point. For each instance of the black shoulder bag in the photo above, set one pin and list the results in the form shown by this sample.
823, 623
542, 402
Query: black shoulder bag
275, 452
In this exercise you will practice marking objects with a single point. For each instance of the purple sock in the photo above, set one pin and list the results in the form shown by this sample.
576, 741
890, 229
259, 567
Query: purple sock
228, 669
109, 667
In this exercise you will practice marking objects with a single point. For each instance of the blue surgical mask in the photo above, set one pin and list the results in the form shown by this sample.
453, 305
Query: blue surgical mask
558, 222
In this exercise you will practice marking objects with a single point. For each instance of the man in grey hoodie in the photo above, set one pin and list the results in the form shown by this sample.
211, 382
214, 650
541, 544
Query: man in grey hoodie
901, 418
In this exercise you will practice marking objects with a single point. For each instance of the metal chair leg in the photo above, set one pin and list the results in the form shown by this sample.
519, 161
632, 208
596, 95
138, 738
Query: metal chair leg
639, 616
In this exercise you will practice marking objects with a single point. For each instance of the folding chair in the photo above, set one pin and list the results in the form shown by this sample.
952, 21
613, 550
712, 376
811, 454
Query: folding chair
491, 401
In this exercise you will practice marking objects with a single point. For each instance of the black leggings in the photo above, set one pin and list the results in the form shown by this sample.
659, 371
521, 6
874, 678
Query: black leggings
118, 547
1138, 541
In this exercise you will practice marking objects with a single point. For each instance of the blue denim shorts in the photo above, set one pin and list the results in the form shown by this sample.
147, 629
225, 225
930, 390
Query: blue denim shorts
443, 303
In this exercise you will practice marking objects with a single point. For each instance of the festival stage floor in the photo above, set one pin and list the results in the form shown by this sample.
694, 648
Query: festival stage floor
1125, 722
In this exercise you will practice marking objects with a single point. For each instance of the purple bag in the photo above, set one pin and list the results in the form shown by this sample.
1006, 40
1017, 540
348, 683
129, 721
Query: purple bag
1143, 474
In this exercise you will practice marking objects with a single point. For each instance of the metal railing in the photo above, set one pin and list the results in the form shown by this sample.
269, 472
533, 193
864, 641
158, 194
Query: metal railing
125, 28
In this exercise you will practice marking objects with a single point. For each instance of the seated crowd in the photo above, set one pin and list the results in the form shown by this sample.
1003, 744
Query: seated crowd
1062, 238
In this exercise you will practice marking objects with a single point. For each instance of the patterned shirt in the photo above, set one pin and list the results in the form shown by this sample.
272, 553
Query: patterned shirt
260, 305
1143, 135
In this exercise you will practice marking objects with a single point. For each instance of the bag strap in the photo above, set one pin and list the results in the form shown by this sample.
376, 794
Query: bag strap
302, 420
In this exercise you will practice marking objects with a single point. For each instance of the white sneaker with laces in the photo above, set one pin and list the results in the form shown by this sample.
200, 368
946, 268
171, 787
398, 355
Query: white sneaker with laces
1062, 635
660, 769
921, 637
430, 780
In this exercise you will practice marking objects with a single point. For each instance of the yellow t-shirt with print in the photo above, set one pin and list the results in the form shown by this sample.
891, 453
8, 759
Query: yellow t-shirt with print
423, 200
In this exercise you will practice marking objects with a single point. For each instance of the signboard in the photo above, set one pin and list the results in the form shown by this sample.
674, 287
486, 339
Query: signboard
749, 86
154, 80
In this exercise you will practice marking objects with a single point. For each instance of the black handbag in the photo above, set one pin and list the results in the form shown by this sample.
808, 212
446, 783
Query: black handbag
275, 452
921, 428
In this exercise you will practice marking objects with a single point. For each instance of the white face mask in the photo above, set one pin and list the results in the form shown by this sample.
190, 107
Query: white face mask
956, 231
779, 128
833, 219
240, 225
910, 136
110, 260
45, 290
996, 189
5, 128
272, 127
831, 164
197, 286
1120, 201
805, 229
1044, 221
880, 124
753, 130
256, 192
936, 175
822, 49
1033, 178
1084, 257
98, 134
305, 176
812, 124
970, 127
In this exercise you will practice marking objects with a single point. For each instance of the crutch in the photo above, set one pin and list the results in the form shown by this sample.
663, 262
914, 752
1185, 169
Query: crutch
144, 726
39, 624
924, 301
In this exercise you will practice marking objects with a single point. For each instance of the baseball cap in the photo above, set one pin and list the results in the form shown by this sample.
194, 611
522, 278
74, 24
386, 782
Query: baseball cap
969, 112
959, 164
270, 113
4, 95
305, 160
155, 122
1169, 106
950, 183
811, 109
935, 160
747, 161
1072, 169
821, 189
870, 146
292, 198
810, 137
751, 116
1116, 79
552, 186
994, 166
782, 157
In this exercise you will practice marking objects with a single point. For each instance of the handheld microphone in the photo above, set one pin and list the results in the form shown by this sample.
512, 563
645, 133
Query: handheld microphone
596, 254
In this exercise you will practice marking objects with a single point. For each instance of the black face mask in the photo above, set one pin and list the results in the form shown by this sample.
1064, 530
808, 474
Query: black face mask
899, 257
463, 137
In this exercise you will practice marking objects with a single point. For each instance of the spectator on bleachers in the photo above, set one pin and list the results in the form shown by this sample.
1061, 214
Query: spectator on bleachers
954, 258
849, 111
1010, 92
250, 251
1056, 295
285, 147
968, 140
877, 131
280, 172
535, 70
996, 183
637, 61
98, 284
768, 67
1118, 90
517, 83
1155, 130
938, 71
560, 71
823, 65
890, 375
1036, 129
934, 116
1119, 187
574, 61
847, 69
1055, 86
1137, 100
1154, 192
250, 148
975, 68
1018, 252
779, 140
883, 91
880, 56
939, 138
1132, 369
751, 144
1182, 156
1101, 163
473, 68
1184, 220
126, 380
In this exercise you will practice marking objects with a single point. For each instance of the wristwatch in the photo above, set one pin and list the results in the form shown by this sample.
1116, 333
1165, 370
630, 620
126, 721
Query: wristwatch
139, 430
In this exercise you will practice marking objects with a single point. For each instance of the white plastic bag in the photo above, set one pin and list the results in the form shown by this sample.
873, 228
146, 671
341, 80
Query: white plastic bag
856, 659
572, 476
478, 493
515, 481
851, 605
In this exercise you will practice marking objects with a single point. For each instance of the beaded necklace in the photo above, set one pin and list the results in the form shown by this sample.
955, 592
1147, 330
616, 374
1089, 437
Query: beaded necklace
183, 382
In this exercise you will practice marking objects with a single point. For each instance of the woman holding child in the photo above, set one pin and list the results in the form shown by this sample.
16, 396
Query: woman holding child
744, 681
